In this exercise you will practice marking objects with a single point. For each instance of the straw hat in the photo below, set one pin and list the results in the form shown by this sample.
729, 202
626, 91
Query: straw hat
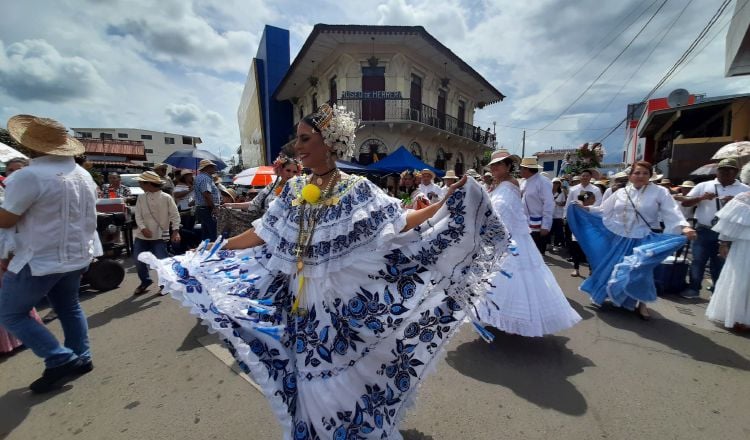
161, 165
450, 174
620, 175
557, 179
149, 177
43, 135
656, 177
488, 174
228, 191
205, 163
471, 172
427, 171
665, 182
576, 179
501, 154
530, 162
186, 172
687, 184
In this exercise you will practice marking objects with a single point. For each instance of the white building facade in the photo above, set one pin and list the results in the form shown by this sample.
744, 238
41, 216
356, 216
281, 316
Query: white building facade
405, 86
158, 144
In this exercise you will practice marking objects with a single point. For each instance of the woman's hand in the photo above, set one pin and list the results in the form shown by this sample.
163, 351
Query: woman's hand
689, 233
454, 187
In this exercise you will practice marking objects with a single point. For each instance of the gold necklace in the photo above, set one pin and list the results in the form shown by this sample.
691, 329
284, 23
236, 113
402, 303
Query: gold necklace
306, 231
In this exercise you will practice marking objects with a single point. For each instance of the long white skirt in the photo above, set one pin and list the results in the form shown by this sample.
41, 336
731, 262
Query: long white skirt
525, 298
730, 302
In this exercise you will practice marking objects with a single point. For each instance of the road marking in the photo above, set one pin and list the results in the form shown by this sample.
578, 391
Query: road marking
215, 347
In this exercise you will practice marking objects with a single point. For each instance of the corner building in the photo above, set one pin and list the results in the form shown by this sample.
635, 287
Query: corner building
406, 87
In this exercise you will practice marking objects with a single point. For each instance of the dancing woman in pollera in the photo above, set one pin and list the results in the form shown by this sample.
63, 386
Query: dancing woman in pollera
338, 302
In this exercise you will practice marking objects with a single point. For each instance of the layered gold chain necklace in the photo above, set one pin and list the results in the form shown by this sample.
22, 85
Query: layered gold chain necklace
318, 201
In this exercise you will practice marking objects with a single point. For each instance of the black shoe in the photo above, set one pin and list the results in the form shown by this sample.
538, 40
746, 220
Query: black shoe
86, 367
53, 377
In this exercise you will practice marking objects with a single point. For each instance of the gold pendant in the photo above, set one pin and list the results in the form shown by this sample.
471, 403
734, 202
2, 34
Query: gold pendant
319, 181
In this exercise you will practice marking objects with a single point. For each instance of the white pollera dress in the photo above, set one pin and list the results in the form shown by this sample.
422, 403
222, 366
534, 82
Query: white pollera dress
380, 304
525, 298
730, 302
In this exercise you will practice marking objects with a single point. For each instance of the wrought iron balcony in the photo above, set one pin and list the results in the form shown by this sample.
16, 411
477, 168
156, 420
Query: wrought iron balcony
385, 110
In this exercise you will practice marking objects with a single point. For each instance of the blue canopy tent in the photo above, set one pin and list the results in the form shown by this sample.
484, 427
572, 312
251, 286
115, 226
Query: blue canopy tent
401, 160
351, 167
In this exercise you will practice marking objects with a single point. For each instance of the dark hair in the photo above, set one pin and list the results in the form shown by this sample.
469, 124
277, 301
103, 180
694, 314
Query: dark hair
586, 171
584, 195
510, 163
643, 164
22, 160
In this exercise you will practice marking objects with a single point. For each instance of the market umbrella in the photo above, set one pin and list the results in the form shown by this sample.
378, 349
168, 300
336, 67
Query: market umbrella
258, 176
189, 158
733, 150
7, 153
706, 170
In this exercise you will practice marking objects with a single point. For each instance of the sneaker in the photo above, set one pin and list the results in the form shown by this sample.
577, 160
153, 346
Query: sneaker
53, 377
689, 294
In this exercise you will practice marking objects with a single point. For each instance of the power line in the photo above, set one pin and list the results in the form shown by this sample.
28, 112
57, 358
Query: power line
592, 58
661, 6
648, 56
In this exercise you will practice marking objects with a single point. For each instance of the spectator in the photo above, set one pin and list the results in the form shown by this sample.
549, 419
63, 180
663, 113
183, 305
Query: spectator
428, 187
537, 200
15, 164
687, 211
115, 188
167, 184
576, 253
207, 199
51, 203
620, 179
560, 197
709, 197
155, 213
585, 185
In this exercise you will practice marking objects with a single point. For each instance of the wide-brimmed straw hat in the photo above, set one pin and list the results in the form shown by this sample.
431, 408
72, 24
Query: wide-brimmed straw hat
665, 182
502, 154
149, 177
620, 175
471, 172
530, 162
205, 163
687, 184
43, 135
450, 174
427, 171
728, 163
228, 191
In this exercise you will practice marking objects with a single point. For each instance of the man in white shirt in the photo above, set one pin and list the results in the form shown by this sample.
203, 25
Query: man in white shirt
585, 185
536, 193
52, 206
155, 212
620, 179
433, 192
709, 197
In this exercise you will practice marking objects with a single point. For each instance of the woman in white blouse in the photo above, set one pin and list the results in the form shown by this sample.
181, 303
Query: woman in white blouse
622, 241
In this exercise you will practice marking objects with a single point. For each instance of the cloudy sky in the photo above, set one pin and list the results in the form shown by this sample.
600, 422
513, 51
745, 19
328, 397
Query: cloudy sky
180, 65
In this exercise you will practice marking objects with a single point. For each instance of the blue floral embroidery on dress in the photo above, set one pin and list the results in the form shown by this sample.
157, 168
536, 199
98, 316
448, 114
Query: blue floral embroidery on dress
190, 282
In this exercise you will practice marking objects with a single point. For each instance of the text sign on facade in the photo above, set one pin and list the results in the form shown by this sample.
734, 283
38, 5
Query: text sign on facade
379, 94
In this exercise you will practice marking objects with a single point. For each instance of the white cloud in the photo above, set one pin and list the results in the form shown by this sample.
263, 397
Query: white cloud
35, 70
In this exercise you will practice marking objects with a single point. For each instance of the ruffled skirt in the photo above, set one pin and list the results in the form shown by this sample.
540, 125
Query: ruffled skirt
349, 365
622, 268
730, 302
525, 298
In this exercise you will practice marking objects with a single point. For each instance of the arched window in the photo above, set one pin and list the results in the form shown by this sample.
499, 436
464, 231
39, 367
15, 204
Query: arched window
416, 150
315, 101
459, 167
440, 160
371, 151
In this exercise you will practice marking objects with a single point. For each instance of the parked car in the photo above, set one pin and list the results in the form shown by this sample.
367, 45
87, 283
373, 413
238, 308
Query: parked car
132, 184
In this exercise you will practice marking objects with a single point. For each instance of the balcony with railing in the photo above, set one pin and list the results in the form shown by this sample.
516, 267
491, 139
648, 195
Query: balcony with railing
391, 110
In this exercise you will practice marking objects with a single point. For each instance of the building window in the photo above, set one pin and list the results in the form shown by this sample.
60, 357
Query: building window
459, 166
548, 165
415, 98
146, 137
83, 134
105, 136
187, 140
332, 91
122, 135
149, 151
371, 151
416, 150
315, 101
440, 160
169, 140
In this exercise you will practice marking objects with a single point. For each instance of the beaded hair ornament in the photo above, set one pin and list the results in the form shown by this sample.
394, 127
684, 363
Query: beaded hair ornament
337, 127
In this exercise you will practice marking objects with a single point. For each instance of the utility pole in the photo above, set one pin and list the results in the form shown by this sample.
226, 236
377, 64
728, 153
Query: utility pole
494, 135
523, 145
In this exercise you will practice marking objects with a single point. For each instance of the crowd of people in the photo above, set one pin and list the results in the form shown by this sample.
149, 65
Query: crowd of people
336, 293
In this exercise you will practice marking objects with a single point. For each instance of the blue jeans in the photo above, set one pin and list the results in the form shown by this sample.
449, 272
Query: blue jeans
204, 215
705, 249
156, 247
22, 291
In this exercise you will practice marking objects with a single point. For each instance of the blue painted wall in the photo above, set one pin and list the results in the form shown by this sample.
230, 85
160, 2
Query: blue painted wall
272, 61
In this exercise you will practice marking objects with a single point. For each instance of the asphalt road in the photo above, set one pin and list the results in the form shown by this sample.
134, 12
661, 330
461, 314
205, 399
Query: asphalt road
159, 375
